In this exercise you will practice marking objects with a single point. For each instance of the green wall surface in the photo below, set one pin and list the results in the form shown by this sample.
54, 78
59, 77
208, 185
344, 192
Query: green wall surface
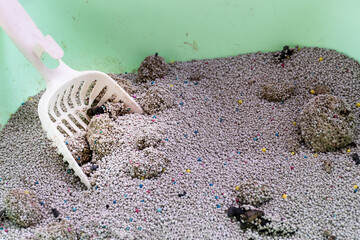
116, 35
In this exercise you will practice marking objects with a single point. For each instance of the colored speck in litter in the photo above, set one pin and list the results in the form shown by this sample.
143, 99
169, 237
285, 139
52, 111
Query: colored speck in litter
171, 85
159, 209
114, 202
210, 184
66, 143
181, 103
196, 83
305, 156
218, 206
185, 81
166, 139
240, 102
237, 187
185, 135
125, 195
199, 159
130, 219
42, 203
358, 104
195, 132
284, 196
294, 123
152, 82
221, 119
26, 192
320, 59
255, 139
315, 155
216, 197
264, 149
140, 185
74, 209
128, 228
277, 134
349, 150
237, 109
188, 170
312, 92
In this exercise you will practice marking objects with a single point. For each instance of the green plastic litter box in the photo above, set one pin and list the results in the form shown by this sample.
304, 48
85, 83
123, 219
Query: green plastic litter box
116, 35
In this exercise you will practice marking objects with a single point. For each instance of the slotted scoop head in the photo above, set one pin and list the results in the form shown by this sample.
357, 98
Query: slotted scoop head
69, 93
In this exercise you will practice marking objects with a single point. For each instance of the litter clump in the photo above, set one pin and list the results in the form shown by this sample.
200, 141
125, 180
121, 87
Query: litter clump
326, 123
79, 148
254, 218
277, 91
98, 135
328, 166
56, 231
157, 99
253, 193
150, 136
22, 207
148, 163
321, 89
152, 67
116, 109
356, 158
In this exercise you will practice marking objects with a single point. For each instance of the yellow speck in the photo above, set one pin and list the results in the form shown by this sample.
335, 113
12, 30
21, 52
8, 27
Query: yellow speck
240, 101
237, 187
172, 61
189, 171
284, 196
143, 178
163, 169
349, 150
294, 123
31, 99
320, 59
292, 153
355, 186
264, 149
26, 192
312, 92
171, 85
358, 104
315, 155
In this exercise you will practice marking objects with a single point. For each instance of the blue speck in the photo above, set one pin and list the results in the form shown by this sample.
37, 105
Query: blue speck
66, 143
139, 228
125, 195
181, 103
104, 226
152, 82
196, 132
140, 185
282, 102
196, 83
78, 158
241, 94
185, 135
174, 182
154, 116
237, 109
199, 159
211, 184
166, 139
185, 81
238, 152
114, 202
255, 139
205, 99
305, 156
130, 219
159, 210
224, 163
218, 206
276, 134
260, 117
128, 228
221, 119
216, 197
74, 209
23, 103
65, 201
35, 183
142, 201
176, 78
68, 217
42, 203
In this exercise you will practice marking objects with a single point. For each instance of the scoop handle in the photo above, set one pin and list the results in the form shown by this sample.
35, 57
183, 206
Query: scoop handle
22, 30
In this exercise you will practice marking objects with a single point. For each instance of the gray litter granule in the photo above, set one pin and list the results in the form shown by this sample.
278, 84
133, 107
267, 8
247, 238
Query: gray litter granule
212, 143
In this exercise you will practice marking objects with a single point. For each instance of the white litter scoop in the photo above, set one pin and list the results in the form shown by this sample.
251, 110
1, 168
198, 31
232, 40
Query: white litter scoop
69, 93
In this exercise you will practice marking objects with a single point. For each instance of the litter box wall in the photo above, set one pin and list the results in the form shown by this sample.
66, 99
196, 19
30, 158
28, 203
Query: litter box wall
116, 35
